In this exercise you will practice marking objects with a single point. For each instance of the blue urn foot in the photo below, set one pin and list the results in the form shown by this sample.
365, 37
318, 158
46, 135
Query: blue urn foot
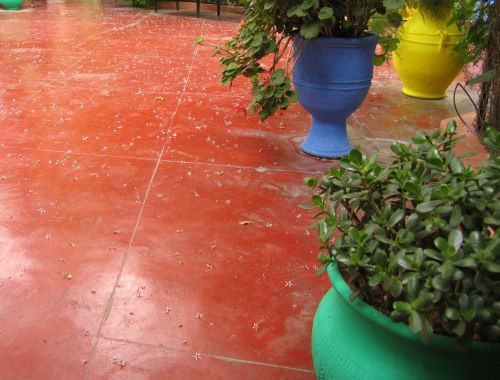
327, 140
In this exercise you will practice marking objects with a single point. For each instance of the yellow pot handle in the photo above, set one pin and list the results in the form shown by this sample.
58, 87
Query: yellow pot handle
444, 39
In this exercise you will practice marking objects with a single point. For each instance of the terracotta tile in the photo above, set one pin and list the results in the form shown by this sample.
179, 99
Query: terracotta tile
209, 129
131, 72
390, 114
23, 67
91, 120
127, 43
13, 97
61, 215
199, 278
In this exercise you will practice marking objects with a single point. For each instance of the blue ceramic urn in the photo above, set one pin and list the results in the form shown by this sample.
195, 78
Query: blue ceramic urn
332, 77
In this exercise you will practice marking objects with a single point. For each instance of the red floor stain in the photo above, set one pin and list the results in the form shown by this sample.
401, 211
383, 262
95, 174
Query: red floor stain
124, 163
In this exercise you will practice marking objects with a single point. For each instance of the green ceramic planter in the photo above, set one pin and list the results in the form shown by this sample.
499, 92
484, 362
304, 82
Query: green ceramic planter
11, 5
351, 341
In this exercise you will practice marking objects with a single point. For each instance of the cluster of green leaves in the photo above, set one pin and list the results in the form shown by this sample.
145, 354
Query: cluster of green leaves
437, 8
421, 231
269, 27
273, 94
477, 18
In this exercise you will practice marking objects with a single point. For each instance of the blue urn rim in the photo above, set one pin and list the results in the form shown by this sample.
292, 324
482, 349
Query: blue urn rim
334, 42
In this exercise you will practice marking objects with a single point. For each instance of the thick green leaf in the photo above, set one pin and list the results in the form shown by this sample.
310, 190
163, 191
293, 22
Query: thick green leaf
358, 11
492, 267
325, 13
456, 166
355, 156
415, 322
456, 216
484, 77
426, 207
453, 314
393, 4
375, 280
441, 244
433, 254
440, 283
402, 307
396, 217
354, 234
293, 97
311, 29
269, 4
456, 239
467, 262
426, 330
459, 329
378, 60
395, 287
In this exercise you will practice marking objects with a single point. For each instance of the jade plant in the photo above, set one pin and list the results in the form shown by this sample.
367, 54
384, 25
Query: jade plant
269, 28
416, 238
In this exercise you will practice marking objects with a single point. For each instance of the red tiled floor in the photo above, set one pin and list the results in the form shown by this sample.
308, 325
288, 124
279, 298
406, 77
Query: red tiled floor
13, 97
192, 256
124, 162
98, 121
207, 128
60, 214
37, 66
125, 72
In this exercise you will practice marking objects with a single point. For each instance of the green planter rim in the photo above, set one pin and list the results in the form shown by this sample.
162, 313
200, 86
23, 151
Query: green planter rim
439, 342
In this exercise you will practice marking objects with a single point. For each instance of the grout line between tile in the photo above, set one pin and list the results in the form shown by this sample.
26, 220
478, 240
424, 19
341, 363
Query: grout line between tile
109, 304
260, 169
122, 265
218, 357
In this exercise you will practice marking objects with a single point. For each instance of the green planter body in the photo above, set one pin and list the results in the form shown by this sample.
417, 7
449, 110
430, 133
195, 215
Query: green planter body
11, 5
351, 340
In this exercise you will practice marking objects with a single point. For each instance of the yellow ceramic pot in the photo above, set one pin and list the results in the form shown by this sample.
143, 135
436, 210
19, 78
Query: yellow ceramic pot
425, 59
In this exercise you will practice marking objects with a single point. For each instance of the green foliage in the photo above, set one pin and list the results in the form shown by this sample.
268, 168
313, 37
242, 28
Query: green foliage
421, 231
476, 17
436, 8
136, 3
269, 27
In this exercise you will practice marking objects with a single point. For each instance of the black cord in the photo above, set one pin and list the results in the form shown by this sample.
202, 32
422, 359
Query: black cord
456, 108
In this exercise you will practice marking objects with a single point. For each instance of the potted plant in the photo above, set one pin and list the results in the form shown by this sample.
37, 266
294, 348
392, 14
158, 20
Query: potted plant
414, 259
11, 5
426, 59
333, 54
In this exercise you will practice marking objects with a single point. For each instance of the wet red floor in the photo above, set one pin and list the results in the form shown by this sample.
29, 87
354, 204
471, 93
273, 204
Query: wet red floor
147, 229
